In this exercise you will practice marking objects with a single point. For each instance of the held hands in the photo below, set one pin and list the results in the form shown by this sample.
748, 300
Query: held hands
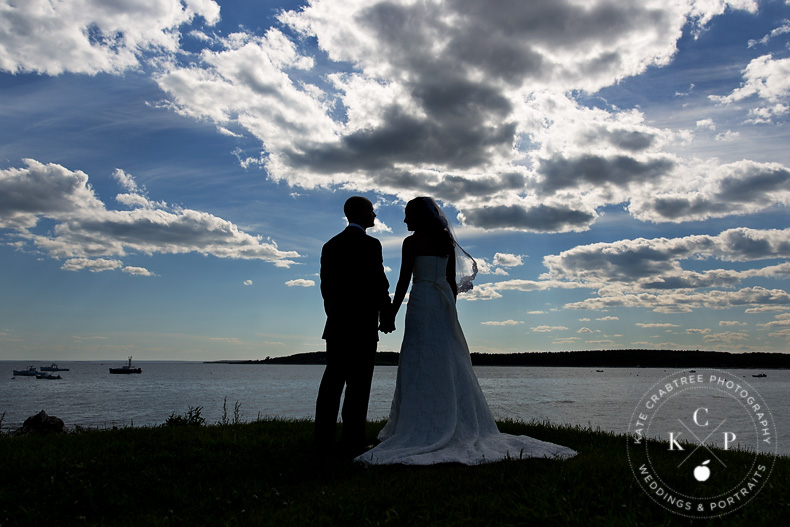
387, 321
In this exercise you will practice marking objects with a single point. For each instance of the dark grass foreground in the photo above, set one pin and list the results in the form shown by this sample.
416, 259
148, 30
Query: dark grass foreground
265, 473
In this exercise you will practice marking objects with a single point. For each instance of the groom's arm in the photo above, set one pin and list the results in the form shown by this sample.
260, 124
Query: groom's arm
386, 317
328, 276
384, 285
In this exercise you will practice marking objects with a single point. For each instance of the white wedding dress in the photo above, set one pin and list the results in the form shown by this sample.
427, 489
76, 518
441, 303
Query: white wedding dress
439, 413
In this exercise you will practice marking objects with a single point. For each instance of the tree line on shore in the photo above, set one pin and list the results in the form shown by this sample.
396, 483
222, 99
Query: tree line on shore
617, 358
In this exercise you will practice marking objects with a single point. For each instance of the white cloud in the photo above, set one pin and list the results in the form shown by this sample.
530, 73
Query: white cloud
766, 79
95, 266
728, 137
781, 30
507, 260
86, 232
126, 181
247, 282
548, 329
766, 309
655, 263
92, 36
782, 333
780, 320
378, 119
137, 271
685, 301
382, 122
502, 323
300, 282
379, 226
727, 337
649, 273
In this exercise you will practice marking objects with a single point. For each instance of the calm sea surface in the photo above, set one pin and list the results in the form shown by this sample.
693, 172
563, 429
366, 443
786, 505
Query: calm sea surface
89, 396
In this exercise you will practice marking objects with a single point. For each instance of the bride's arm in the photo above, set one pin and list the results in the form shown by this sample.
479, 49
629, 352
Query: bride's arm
406, 269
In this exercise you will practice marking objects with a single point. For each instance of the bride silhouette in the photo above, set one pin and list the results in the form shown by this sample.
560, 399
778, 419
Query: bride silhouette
439, 413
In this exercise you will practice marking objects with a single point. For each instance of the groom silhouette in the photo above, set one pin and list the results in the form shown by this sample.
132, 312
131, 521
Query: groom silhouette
355, 292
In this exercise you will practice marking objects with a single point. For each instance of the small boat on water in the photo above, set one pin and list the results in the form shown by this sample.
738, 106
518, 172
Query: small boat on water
31, 371
54, 367
760, 375
48, 376
126, 368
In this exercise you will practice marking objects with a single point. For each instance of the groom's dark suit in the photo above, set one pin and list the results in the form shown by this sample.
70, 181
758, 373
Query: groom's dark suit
355, 291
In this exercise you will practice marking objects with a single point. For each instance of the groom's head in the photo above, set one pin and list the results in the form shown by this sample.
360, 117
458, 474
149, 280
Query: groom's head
359, 210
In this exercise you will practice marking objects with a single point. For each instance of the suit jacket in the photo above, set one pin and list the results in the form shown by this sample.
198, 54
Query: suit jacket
353, 285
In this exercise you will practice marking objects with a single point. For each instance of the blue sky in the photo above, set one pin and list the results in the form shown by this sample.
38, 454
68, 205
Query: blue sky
170, 169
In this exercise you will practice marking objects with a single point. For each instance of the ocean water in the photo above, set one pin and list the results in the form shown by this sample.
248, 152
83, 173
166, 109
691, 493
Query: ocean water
89, 396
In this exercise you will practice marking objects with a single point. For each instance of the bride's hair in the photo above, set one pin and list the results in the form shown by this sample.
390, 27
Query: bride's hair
430, 223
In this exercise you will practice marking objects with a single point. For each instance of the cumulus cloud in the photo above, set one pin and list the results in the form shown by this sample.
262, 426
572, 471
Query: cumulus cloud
727, 337
685, 302
97, 265
780, 320
407, 103
92, 36
548, 329
708, 190
492, 290
88, 235
502, 322
656, 263
766, 79
497, 137
300, 282
650, 273
137, 271
507, 260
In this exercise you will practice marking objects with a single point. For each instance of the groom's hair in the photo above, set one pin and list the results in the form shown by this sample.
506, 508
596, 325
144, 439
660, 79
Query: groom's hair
355, 205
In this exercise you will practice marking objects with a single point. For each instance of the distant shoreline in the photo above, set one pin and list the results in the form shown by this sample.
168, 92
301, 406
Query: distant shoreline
627, 358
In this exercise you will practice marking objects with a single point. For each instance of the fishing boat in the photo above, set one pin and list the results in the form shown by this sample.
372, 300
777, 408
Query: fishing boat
31, 371
48, 376
126, 368
54, 367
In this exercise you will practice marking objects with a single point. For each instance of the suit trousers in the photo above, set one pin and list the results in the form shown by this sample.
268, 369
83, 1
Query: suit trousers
348, 364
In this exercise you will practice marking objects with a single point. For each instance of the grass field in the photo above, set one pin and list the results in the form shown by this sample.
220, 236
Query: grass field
265, 473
